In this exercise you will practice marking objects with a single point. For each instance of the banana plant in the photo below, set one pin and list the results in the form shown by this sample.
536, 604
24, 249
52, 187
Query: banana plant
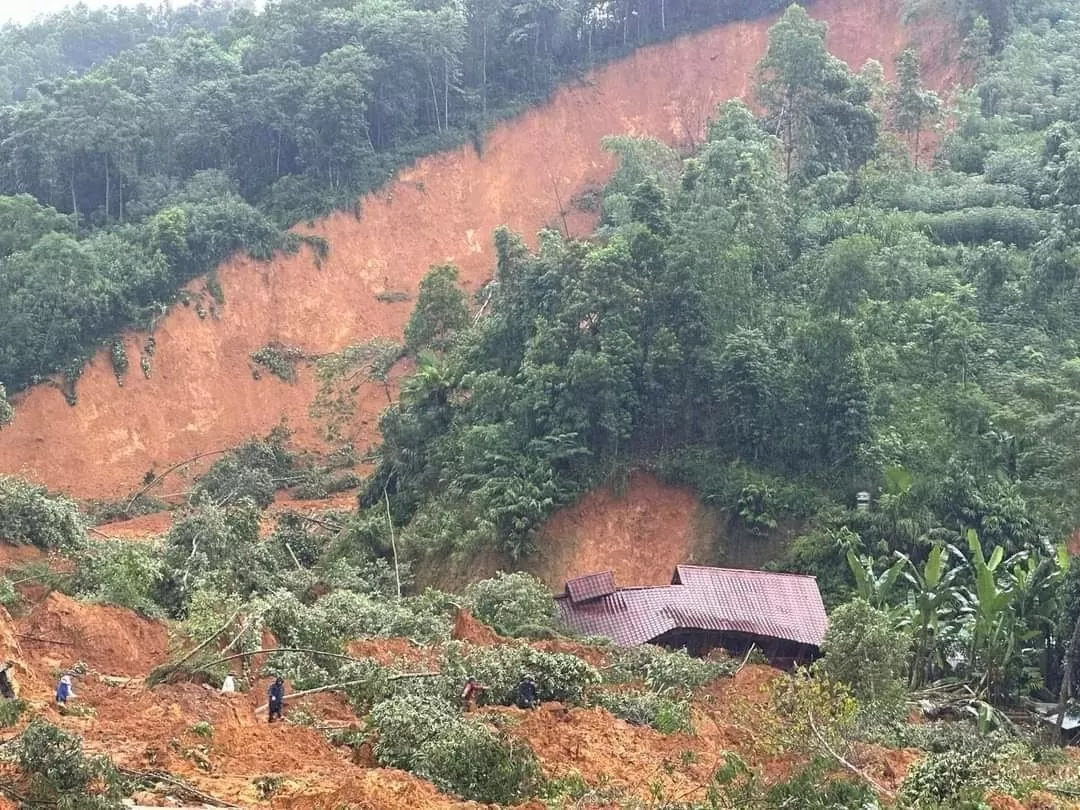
988, 606
874, 588
929, 608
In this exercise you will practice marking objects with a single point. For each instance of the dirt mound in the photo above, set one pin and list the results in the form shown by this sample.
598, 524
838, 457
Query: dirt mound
641, 533
60, 631
468, 628
201, 395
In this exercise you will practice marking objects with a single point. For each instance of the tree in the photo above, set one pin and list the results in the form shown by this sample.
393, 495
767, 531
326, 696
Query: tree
440, 311
863, 650
911, 104
790, 80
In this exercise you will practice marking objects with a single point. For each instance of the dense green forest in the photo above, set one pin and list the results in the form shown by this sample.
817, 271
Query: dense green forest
793, 314
139, 147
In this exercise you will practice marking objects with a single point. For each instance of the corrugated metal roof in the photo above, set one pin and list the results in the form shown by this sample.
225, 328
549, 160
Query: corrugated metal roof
591, 586
763, 603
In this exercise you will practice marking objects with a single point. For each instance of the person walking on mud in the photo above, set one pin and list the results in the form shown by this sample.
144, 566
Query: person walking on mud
471, 693
277, 699
64, 692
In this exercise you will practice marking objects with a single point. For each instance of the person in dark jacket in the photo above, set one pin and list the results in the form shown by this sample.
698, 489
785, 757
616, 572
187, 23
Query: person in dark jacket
527, 693
277, 699
7, 688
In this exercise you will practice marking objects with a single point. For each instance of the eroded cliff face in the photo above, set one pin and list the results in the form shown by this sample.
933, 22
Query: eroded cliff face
201, 395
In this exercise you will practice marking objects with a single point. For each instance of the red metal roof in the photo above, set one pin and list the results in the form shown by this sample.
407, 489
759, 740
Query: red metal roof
591, 586
761, 603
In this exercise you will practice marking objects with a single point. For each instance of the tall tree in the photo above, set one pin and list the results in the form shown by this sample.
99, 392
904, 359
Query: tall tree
911, 104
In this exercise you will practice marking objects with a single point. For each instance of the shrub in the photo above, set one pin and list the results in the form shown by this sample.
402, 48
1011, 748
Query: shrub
279, 359
663, 670
815, 710
558, 676
253, 470
30, 515
942, 779
10, 712
664, 714
120, 573
508, 602
428, 736
865, 652
60, 772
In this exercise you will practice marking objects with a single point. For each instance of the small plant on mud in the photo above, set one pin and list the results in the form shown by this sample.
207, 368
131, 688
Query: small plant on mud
817, 712
939, 780
279, 359
203, 729
266, 786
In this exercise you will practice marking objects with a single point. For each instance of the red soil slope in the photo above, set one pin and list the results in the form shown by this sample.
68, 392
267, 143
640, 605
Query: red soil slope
202, 396
641, 534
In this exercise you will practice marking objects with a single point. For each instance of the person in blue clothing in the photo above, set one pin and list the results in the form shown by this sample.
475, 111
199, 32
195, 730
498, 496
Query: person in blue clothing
277, 699
64, 692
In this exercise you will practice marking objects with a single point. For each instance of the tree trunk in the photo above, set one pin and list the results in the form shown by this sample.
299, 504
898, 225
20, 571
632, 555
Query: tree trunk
1071, 655
483, 68
663, 16
108, 190
434, 99
74, 199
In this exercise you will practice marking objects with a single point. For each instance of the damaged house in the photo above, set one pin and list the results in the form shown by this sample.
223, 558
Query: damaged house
703, 609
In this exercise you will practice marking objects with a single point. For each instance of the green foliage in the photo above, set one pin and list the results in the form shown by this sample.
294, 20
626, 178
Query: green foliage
440, 311
664, 670
558, 676
429, 737
7, 411
120, 572
11, 711
947, 778
140, 147
254, 470
30, 515
61, 773
666, 715
863, 651
279, 359
509, 602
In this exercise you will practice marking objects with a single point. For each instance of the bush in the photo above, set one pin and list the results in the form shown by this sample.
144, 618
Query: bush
120, 573
60, 772
253, 470
665, 670
866, 653
647, 709
279, 359
30, 515
509, 602
558, 676
342, 616
943, 779
428, 736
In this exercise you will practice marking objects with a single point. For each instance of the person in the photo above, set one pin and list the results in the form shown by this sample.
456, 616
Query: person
64, 692
228, 686
7, 684
470, 693
277, 698
527, 693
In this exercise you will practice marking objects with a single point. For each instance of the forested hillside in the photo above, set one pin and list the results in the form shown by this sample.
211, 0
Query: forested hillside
138, 149
795, 313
